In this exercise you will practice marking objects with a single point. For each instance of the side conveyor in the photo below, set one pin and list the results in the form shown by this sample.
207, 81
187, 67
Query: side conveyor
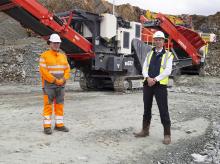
187, 39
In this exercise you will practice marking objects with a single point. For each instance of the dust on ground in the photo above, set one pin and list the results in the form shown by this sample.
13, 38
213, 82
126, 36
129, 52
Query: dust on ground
101, 125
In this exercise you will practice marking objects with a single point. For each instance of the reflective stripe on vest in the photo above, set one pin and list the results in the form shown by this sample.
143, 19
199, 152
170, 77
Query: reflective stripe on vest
164, 60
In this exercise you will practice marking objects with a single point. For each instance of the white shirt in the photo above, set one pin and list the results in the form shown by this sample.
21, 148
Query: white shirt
167, 71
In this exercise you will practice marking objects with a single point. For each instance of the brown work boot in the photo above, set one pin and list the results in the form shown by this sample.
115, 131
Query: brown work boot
167, 136
47, 131
145, 129
62, 128
167, 140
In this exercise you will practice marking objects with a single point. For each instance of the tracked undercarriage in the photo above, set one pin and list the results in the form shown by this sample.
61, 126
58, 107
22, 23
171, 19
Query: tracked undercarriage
116, 83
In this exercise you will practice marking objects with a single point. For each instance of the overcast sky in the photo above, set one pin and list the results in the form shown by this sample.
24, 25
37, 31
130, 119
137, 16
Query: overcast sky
198, 7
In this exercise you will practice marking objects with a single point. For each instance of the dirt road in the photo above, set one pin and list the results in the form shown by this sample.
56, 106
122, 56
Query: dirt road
101, 125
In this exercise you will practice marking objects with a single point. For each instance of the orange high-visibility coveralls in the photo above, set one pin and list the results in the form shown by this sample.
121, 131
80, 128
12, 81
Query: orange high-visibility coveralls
53, 65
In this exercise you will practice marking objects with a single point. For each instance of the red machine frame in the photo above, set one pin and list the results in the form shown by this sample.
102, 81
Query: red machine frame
188, 40
46, 18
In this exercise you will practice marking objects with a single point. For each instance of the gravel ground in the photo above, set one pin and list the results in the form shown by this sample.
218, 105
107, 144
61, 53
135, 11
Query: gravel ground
101, 126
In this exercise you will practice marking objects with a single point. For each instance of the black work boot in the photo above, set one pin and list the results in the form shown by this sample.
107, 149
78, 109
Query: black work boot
145, 129
47, 131
62, 128
167, 136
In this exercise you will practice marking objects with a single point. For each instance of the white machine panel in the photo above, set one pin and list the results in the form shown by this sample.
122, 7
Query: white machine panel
136, 30
108, 26
124, 40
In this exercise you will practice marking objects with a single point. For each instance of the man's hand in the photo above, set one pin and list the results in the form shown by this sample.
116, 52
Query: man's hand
145, 82
60, 82
151, 81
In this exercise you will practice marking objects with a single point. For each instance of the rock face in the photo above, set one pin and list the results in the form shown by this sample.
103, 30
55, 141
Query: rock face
129, 12
96, 6
210, 24
126, 11
207, 24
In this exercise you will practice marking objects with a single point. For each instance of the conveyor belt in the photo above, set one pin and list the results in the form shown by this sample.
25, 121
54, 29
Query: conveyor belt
28, 20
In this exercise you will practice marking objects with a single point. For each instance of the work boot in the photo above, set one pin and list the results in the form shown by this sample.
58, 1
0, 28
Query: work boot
47, 131
167, 136
62, 128
145, 129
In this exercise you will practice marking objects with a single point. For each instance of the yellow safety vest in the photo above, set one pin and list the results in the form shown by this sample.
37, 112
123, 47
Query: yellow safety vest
164, 60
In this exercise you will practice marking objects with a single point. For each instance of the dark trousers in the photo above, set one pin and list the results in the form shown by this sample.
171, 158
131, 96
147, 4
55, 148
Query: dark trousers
160, 93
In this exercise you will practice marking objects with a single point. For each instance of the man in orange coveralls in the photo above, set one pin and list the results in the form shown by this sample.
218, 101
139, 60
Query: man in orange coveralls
54, 71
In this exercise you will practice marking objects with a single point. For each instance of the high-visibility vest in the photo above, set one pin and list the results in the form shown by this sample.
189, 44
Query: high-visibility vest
164, 60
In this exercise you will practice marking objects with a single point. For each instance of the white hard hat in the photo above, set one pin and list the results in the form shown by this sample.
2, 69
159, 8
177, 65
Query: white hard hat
55, 38
159, 34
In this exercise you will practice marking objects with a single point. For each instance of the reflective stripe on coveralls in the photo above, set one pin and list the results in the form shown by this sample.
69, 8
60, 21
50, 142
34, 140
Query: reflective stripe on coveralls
47, 121
53, 65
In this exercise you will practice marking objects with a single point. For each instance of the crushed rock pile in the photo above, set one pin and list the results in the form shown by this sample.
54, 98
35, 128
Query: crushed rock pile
11, 64
210, 153
10, 30
212, 67
19, 63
